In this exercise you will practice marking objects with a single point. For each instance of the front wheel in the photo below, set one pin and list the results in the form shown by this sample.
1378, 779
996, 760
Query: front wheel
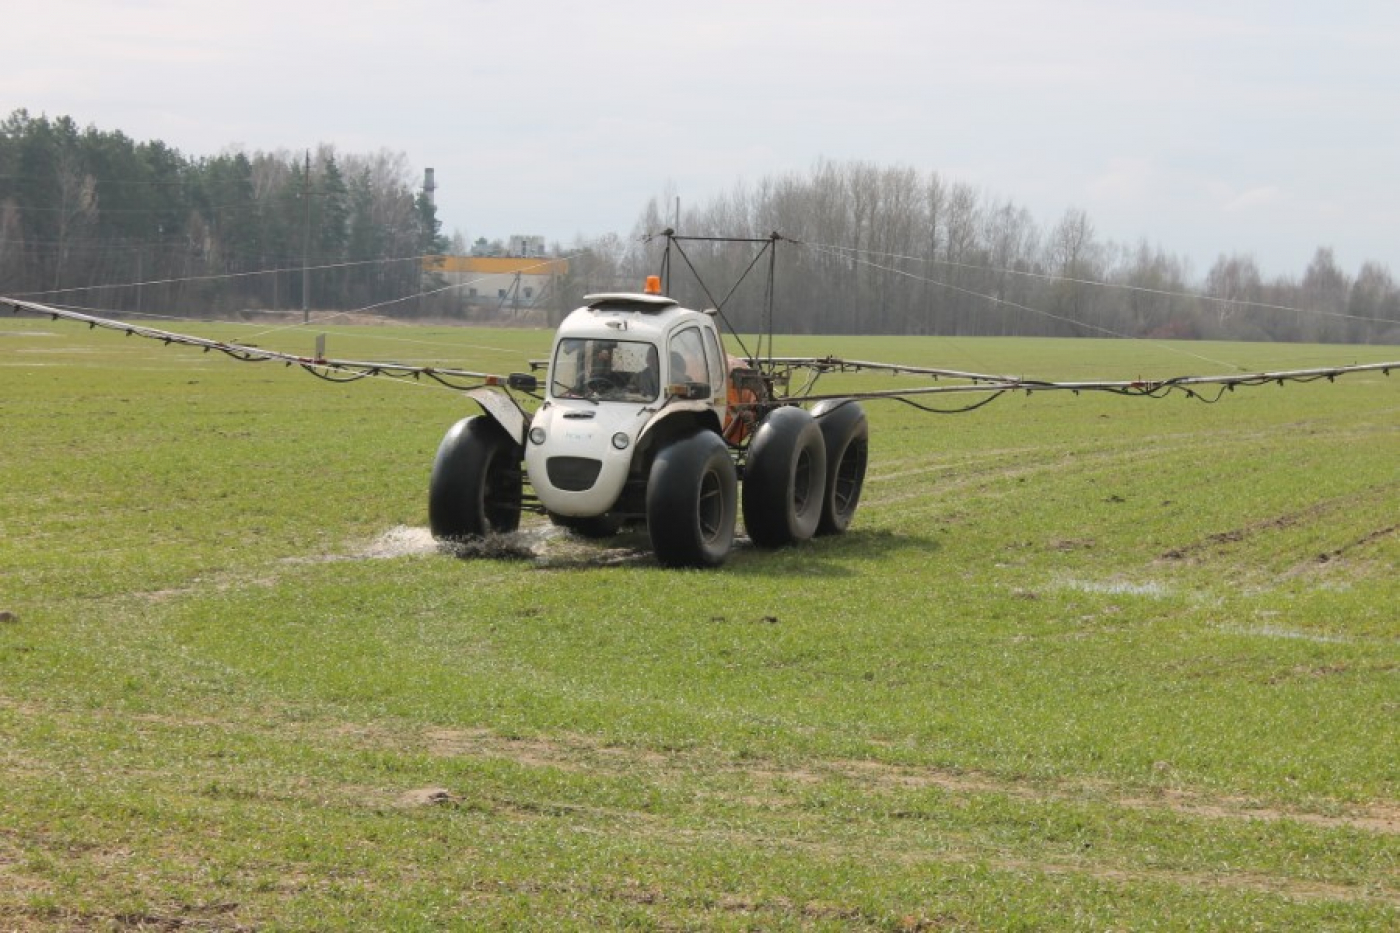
476, 484
692, 502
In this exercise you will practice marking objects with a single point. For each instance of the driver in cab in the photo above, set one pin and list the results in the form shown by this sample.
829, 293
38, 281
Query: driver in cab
598, 376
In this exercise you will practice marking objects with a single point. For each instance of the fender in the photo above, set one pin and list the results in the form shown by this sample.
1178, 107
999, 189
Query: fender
504, 410
702, 408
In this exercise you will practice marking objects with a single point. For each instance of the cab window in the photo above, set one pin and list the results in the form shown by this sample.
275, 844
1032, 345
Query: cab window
716, 360
610, 370
687, 357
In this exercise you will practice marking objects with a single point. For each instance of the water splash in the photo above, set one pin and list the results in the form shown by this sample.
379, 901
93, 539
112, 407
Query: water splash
543, 543
400, 541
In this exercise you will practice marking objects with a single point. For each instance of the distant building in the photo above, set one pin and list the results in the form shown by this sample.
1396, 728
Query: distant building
525, 245
518, 245
527, 281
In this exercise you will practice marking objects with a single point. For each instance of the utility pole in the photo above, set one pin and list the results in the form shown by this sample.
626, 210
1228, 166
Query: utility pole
140, 276
306, 243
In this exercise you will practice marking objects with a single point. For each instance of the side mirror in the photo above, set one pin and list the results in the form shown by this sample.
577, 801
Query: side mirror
524, 382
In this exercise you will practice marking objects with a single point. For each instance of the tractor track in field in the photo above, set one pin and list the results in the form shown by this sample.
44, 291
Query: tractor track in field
1374, 496
586, 754
759, 786
984, 469
773, 786
988, 469
578, 753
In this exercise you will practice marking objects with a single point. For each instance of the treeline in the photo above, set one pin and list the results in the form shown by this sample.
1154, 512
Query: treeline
91, 217
893, 251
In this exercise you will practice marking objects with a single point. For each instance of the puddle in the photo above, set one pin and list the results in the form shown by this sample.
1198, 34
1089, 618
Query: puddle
1272, 631
1118, 587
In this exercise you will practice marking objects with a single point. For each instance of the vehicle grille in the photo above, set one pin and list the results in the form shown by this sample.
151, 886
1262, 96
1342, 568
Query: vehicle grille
572, 474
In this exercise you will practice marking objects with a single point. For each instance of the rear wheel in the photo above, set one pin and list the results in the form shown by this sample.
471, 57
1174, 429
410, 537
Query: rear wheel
476, 484
692, 502
784, 479
846, 434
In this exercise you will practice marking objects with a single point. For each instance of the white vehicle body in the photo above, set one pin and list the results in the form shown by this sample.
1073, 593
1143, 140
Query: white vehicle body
645, 421
619, 367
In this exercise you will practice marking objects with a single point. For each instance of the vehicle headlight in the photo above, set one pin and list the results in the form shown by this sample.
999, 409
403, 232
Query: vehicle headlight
620, 440
537, 436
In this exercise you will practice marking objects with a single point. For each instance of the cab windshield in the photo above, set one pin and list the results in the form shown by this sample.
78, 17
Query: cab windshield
606, 370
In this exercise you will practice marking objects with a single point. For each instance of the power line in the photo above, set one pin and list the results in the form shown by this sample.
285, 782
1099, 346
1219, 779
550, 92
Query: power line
1124, 286
1021, 307
217, 276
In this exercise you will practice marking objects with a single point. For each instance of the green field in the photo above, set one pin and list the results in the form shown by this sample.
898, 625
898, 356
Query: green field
1083, 662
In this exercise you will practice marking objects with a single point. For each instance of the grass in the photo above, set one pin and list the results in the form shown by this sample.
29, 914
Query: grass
1082, 662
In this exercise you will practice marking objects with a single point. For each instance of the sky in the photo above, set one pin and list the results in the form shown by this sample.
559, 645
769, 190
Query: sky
1266, 129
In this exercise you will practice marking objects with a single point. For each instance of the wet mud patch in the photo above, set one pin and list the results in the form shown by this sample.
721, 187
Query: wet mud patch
543, 543
550, 547
428, 797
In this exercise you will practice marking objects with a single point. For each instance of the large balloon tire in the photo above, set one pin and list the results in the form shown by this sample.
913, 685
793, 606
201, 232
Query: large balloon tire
476, 485
692, 502
846, 433
784, 479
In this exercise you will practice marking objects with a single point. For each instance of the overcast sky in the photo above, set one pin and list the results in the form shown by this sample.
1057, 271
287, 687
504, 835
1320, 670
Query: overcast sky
1266, 128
